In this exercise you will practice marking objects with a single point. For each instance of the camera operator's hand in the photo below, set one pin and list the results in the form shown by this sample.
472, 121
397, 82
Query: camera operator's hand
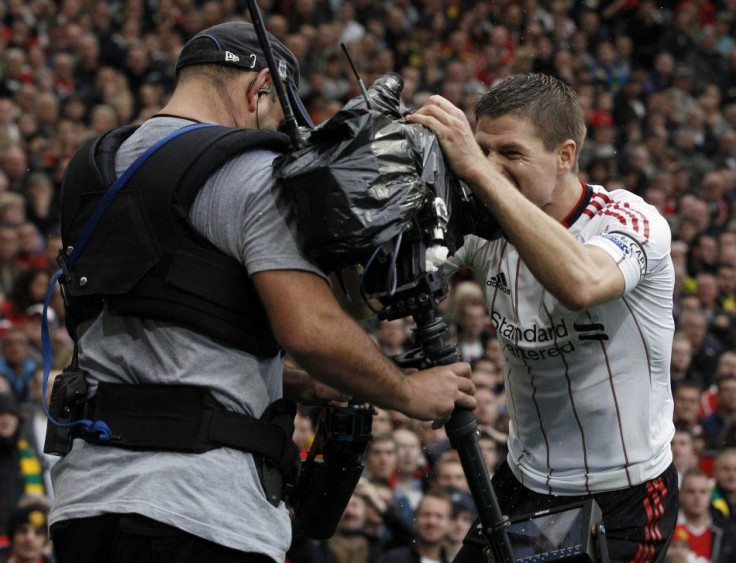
435, 392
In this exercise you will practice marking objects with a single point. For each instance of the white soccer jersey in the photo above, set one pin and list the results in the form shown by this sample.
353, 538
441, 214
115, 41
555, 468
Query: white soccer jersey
588, 392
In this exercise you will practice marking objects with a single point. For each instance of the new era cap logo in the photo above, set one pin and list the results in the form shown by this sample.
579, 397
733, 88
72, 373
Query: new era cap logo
231, 57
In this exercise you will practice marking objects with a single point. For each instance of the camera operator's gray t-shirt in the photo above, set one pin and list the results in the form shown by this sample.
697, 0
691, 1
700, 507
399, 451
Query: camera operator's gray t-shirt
215, 495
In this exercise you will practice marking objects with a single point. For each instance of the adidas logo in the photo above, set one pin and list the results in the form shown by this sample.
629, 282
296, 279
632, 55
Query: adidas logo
499, 282
231, 57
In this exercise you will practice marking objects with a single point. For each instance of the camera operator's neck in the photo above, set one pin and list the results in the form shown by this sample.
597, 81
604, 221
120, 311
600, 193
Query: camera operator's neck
199, 102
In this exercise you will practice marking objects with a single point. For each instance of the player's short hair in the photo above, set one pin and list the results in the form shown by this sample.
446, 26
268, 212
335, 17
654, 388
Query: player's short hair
548, 103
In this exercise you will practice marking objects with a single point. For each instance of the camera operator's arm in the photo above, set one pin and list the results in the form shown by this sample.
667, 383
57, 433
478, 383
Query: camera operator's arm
305, 389
325, 341
578, 275
346, 289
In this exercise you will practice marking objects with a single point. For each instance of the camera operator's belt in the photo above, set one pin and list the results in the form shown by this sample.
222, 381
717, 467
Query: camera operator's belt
187, 418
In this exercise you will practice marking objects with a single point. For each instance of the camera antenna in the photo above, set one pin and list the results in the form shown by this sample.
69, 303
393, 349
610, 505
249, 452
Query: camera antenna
292, 127
357, 75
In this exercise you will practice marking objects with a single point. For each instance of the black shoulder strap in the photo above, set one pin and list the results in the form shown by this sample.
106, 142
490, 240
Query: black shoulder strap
217, 145
104, 150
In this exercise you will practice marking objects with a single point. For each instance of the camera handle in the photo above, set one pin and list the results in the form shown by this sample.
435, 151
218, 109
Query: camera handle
462, 430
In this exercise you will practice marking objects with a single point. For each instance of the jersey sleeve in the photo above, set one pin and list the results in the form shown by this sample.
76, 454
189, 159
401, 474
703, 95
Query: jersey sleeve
636, 236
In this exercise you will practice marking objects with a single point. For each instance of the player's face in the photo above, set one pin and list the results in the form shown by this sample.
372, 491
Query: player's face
512, 143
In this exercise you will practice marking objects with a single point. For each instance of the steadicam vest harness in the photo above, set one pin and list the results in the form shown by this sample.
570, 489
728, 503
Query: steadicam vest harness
144, 259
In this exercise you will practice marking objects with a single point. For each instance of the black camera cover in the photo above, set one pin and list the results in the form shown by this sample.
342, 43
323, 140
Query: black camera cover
364, 176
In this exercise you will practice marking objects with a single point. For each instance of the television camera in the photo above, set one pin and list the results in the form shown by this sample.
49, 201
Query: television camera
373, 191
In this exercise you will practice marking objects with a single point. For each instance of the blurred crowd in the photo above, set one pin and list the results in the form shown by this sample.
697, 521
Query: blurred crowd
657, 84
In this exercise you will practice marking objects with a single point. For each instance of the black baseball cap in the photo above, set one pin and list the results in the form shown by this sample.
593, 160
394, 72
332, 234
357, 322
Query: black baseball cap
9, 404
236, 44
35, 515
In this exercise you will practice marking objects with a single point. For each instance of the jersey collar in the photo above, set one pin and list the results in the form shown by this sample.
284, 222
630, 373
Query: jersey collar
577, 211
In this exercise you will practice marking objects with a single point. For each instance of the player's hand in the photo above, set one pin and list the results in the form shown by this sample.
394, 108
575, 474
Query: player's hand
454, 133
435, 392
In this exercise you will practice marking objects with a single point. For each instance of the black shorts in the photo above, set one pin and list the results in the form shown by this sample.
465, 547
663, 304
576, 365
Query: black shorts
126, 538
639, 521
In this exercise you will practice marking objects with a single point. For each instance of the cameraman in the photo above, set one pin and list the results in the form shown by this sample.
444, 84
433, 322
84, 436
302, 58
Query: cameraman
118, 504
584, 315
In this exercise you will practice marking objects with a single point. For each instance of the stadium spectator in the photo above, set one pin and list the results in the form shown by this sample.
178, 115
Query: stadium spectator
20, 470
710, 534
433, 524
715, 423
28, 535
380, 457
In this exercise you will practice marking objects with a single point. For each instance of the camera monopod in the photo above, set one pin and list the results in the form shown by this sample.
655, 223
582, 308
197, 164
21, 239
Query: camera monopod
419, 299
291, 125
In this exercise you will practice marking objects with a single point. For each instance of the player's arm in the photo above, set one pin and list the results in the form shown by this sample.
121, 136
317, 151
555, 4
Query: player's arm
578, 275
312, 327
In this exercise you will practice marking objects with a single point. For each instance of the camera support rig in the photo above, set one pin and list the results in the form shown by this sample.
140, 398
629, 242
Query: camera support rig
407, 282
419, 297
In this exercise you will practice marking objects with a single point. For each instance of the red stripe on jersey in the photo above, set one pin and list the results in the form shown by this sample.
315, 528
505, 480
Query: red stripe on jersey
516, 292
622, 211
632, 216
627, 212
618, 410
595, 204
539, 418
621, 219
599, 200
604, 197
644, 218
515, 421
572, 401
641, 335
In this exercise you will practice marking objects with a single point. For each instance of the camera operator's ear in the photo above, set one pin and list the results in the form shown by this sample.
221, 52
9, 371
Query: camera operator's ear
346, 289
257, 86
